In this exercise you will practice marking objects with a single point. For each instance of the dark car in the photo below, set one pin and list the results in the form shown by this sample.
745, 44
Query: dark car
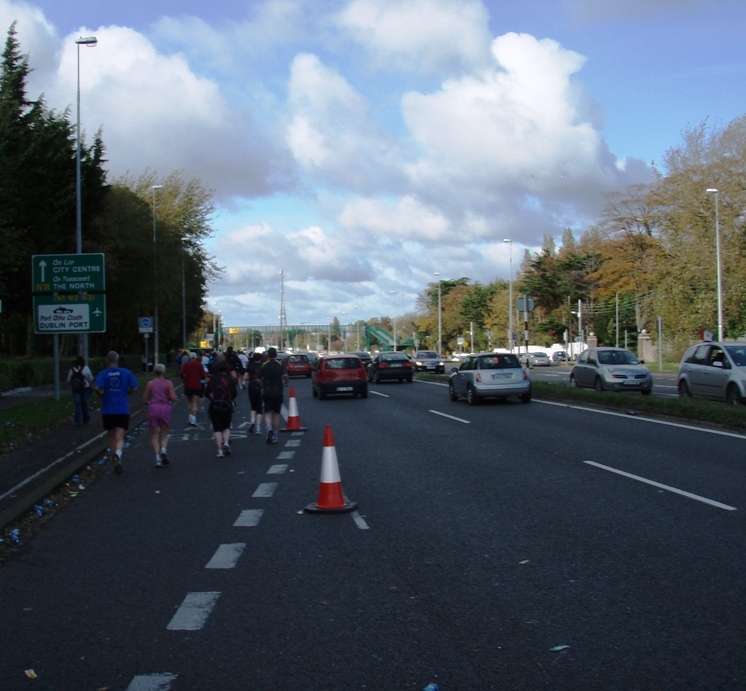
365, 357
339, 374
390, 365
428, 361
298, 365
611, 369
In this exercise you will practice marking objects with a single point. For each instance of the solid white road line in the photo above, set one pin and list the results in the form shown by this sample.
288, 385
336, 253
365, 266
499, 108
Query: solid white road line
249, 518
151, 682
450, 417
266, 489
359, 520
644, 419
711, 502
277, 469
193, 613
226, 556
432, 383
382, 395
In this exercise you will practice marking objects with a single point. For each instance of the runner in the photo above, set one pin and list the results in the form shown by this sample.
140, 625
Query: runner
115, 384
192, 374
158, 395
254, 387
273, 377
221, 390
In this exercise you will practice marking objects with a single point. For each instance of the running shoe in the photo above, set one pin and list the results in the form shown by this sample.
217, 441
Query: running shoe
164, 458
226, 450
252, 428
219, 454
158, 464
275, 437
118, 467
270, 437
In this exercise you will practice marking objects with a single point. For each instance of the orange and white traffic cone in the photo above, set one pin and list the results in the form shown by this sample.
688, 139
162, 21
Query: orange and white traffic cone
331, 498
293, 423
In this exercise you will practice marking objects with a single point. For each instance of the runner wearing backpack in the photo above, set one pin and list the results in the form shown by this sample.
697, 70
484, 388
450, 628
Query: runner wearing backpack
221, 391
80, 378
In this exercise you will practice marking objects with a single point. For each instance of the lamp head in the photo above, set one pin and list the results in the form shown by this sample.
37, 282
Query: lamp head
711, 189
89, 41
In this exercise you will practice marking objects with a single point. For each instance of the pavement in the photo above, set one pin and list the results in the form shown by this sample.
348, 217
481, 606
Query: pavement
34, 470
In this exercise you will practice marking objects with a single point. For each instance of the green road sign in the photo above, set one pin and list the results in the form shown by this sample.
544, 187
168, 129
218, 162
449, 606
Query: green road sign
66, 273
69, 314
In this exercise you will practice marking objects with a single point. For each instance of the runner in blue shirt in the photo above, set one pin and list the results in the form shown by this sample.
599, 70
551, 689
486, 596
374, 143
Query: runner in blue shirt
115, 384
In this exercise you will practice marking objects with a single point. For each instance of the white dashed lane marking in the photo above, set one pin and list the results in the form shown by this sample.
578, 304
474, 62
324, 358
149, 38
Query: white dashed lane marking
450, 417
277, 469
285, 455
266, 489
194, 611
249, 518
151, 682
226, 556
382, 395
292, 442
359, 521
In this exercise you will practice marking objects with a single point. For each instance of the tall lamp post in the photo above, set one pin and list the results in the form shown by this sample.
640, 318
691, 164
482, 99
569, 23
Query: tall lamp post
357, 330
155, 276
440, 320
510, 294
393, 292
90, 42
717, 258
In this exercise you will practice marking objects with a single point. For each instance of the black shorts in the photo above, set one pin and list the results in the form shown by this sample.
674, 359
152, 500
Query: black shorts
273, 404
221, 419
255, 399
114, 421
195, 392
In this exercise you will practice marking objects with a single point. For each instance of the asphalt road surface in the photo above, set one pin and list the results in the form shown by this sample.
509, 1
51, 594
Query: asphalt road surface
502, 546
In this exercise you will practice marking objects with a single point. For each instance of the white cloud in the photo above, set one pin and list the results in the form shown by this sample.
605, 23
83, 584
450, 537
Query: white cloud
420, 35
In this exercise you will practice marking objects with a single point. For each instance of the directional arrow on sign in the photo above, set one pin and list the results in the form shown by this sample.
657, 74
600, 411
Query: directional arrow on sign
42, 266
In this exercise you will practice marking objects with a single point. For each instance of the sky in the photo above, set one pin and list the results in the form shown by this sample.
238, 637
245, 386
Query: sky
362, 146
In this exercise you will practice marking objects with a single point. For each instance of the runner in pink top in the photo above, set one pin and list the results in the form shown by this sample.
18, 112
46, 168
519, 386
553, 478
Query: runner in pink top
158, 395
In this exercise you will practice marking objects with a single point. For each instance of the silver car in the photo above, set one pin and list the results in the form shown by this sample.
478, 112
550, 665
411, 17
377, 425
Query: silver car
428, 361
489, 375
714, 370
611, 369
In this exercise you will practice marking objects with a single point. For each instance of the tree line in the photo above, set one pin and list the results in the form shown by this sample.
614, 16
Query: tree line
651, 254
38, 216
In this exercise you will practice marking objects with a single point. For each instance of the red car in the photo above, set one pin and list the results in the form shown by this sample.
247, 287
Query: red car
339, 374
298, 366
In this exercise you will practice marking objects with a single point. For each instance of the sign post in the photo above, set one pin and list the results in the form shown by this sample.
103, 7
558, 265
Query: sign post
525, 304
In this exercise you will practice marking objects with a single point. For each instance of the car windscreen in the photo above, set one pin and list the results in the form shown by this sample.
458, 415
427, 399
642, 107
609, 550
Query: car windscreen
394, 356
737, 354
617, 357
343, 363
507, 361
427, 354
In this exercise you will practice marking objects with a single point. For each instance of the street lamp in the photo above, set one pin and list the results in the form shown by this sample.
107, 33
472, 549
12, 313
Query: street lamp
510, 294
440, 321
717, 258
393, 292
357, 329
155, 275
90, 42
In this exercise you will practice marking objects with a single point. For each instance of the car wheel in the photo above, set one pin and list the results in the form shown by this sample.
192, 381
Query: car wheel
684, 389
314, 393
409, 380
322, 395
526, 398
598, 384
471, 396
364, 393
452, 393
377, 378
309, 375
647, 393
733, 395
573, 383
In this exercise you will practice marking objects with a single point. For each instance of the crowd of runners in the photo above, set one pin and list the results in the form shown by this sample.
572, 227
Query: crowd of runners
210, 379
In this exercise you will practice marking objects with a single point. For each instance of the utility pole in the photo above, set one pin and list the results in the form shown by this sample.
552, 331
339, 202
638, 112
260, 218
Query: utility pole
283, 315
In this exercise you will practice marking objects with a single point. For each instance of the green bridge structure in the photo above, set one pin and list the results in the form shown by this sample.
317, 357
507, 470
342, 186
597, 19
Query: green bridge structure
344, 337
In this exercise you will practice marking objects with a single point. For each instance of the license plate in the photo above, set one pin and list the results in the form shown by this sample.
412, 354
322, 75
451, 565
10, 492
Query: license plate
344, 388
631, 382
501, 376
397, 365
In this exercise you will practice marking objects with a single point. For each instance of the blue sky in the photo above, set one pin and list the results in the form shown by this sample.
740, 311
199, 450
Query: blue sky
362, 145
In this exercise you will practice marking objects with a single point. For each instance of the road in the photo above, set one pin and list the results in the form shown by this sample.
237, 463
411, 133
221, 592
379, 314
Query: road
664, 383
495, 547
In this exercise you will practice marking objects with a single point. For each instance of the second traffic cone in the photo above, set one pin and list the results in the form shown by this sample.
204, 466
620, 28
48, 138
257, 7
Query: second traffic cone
331, 498
293, 423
